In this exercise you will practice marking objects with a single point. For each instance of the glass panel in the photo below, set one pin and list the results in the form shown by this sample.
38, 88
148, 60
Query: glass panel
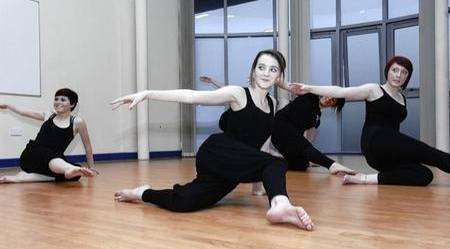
411, 125
399, 8
363, 59
321, 73
321, 68
363, 67
209, 58
250, 16
360, 11
323, 13
407, 44
353, 116
241, 52
208, 17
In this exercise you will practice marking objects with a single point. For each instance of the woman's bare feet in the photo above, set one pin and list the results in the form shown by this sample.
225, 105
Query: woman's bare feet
78, 171
360, 179
5, 179
130, 195
282, 211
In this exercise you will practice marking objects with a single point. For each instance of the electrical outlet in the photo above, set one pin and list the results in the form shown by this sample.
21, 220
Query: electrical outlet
15, 132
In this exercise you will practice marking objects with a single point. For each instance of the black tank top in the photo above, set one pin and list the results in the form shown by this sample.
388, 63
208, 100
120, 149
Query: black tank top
53, 137
385, 112
303, 112
249, 125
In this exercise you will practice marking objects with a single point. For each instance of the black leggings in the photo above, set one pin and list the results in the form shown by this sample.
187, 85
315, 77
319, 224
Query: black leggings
222, 163
399, 158
295, 148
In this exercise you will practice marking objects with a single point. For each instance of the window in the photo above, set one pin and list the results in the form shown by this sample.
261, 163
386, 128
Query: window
323, 13
363, 55
399, 8
209, 61
363, 36
225, 48
360, 11
250, 16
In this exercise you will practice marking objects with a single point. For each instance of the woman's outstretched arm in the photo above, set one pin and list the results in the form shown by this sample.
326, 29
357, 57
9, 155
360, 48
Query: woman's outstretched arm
363, 92
23, 112
233, 95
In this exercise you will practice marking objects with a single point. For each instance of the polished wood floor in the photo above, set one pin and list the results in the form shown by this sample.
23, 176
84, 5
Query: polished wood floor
84, 214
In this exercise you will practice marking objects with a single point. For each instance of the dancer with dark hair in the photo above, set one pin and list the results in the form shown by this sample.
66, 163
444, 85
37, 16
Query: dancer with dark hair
226, 159
43, 159
398, 158
292, 128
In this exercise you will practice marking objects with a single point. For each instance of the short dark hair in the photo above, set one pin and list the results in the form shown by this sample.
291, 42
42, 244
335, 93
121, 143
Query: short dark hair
73, 96
340, 102
275, 54
402, 61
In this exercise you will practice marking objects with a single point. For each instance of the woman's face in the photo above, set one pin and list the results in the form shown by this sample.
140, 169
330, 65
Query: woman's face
266, 72
326, 101
62, 104
397, 75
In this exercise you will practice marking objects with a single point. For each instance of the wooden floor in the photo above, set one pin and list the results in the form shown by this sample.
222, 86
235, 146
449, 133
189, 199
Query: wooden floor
84, 214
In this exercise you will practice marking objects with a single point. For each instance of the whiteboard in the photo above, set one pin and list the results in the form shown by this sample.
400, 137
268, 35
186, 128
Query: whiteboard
19, 47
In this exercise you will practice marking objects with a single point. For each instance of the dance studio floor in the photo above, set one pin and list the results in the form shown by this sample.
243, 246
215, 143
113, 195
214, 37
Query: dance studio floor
84, 215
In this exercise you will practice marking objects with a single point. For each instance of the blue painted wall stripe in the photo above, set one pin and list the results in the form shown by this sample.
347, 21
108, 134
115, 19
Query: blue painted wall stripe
14, 162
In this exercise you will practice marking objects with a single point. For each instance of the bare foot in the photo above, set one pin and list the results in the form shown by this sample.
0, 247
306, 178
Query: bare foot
130, 195
355, 179
5, 179
78, 171
340, 170
286, 213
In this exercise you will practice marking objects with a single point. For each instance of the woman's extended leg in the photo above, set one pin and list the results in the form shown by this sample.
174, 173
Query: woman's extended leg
59, 166
23, 177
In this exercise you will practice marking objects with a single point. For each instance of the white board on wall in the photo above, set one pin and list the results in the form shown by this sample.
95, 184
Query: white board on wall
19, 47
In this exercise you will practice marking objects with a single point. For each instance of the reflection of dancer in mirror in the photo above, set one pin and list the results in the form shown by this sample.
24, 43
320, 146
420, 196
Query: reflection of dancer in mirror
226, 159
301, 116
43, 159
398, 158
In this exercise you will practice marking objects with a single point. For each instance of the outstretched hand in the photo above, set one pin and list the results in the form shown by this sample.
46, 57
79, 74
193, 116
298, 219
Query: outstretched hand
132, 100
207, 79
298, 88
339, 169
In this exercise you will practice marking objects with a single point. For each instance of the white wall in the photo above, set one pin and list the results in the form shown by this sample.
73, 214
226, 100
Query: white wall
89, 46
163, 73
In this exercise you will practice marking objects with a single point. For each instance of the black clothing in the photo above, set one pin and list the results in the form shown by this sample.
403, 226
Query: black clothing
226, 159
288, 127
287, 133
50, 143
303, 113
396, 156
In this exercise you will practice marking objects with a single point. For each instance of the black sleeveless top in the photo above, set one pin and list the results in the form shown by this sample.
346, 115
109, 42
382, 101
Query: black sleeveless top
249, 125
53, 137
385, 112
303, 112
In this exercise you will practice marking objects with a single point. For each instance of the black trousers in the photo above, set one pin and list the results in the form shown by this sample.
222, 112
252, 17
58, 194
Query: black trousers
399, 158
222, 163
295, 148
36, 159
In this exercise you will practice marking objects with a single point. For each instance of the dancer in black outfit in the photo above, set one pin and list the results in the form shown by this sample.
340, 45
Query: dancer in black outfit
43, 158
226, 159
398, 158
291, 126
291, 122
